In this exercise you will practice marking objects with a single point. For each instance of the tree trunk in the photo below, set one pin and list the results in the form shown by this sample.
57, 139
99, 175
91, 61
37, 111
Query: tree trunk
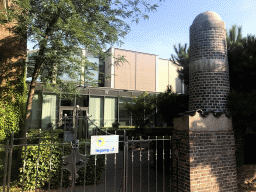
29, 102
38, 66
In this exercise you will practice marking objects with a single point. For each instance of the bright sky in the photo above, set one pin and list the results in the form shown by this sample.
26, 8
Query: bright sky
170, 24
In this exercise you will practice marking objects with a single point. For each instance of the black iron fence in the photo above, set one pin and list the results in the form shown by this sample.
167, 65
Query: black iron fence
47, 163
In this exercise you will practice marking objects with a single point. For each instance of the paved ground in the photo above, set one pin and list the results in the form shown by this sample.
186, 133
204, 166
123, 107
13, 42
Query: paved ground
134, 175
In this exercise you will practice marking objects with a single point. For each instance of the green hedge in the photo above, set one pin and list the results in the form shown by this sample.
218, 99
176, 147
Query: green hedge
12, 107
54, 153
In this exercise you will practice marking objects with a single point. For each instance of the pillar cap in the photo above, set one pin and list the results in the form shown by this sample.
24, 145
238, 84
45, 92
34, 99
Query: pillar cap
203, 121
205, 113
208, 19
207, 16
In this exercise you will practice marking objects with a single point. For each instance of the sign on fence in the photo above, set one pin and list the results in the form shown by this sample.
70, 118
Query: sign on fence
104, 144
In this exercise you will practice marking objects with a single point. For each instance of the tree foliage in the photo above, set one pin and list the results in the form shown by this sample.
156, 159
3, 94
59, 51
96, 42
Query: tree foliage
234, 37
141, 108
49, 163
242, 72
60, 28
181, 59
12, 107
242, 61
170, 104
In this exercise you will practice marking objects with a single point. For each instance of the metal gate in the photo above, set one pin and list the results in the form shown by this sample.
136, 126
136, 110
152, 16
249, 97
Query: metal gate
142, 164
147, 164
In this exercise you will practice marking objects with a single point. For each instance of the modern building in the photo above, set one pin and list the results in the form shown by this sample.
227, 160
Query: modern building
142, 72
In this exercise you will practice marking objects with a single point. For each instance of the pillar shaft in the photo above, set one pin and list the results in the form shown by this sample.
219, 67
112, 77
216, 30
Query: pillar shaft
208, 65
203, 142
205, 163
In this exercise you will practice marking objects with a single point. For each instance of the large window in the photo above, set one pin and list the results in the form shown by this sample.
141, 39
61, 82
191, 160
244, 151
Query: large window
124, 117
68, 106
49, 110
102, 111
95, 112
66, 102
82, 101
110, 111
35, 117
87, 77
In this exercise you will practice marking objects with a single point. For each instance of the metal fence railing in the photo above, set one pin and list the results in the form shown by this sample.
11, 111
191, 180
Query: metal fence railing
45, 161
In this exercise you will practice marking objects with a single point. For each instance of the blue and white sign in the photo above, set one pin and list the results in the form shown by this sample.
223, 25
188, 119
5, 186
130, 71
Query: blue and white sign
104, 144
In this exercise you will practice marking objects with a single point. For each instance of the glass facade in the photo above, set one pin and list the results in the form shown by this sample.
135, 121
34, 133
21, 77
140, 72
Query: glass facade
124, 117
96, 112
92, 77
35, 118
93, 74
103, 110
50, 110
110, 111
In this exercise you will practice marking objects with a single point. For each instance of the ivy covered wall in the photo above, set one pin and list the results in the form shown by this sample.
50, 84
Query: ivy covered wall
12, 106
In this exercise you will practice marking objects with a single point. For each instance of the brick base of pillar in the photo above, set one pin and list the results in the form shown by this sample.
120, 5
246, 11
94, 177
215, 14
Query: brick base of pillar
203, 154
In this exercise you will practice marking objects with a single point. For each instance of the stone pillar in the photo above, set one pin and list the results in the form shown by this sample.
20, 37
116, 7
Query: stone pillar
208, 64
203, 140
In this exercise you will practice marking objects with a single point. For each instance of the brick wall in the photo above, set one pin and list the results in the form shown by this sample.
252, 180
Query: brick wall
209, 78
205, 160
209, 91
239, 140
208, 43
12, 55
212, 160
180, 161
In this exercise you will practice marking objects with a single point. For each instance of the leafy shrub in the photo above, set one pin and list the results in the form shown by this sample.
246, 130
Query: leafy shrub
12, 108
2, 160
54, 153
43, 173
90, 171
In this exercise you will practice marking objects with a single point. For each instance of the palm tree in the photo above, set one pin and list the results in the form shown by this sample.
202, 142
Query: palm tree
181, 59
234, 37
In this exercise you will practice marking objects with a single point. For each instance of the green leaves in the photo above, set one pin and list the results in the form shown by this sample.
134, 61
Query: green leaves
181, 59
170, 104
12, 107
65, 25
141, 108
61, 28
53, 153
242, 66
45, 152
242, 59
